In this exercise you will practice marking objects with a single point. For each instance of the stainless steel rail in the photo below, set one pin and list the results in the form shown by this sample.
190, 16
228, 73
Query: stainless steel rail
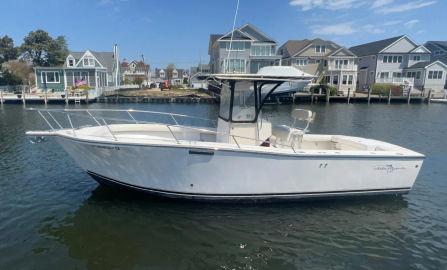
98, 119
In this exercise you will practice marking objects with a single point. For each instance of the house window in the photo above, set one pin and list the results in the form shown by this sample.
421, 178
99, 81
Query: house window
320, 48
88, 62
335, 80
236, 46
70, 62
435, 75
162, 74
392, 59
416, 58
383, 75
49, 77
397, 74
350, 79
300, 62
340, 64
418, 75
262, 50
344, 81
234, 66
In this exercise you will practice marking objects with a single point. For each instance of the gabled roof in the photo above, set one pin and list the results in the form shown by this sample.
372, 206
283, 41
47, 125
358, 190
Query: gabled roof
257, 34
375, 47
421, 47
106, 59
237, 35
342, 50
294, 47
426, 64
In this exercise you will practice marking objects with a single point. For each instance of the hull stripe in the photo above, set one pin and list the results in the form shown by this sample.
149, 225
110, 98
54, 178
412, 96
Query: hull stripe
107, 180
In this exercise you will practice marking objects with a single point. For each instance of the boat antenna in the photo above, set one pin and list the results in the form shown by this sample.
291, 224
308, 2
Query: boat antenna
231, 39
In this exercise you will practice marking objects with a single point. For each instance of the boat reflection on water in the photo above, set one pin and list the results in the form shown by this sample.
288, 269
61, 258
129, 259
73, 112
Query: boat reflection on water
127, 230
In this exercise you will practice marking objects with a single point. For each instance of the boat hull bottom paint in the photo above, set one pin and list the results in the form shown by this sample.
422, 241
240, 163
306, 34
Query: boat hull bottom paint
215, 174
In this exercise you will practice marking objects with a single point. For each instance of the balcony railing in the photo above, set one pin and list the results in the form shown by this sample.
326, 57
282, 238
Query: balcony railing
399, 81
342, 67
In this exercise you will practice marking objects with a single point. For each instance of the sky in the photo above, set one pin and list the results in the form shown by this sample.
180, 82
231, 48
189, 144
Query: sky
177, 31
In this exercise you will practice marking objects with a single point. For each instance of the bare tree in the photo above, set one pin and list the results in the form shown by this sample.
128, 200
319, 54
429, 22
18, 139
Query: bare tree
169, 71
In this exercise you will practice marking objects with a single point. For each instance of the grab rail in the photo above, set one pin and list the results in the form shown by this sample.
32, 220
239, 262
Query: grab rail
67, 112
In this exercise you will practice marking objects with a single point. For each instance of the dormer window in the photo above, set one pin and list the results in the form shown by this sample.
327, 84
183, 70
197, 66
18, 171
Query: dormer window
89, 62
320, 48
416, 58
71, 62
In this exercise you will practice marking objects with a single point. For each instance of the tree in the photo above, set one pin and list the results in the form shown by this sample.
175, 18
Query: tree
7, 49
42, 50
169, 71
21, 71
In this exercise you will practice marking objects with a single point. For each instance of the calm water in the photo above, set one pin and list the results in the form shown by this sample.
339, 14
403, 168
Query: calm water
53, 216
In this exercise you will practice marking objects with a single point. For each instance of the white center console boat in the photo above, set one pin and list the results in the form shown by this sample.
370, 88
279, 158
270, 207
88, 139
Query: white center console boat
244, 157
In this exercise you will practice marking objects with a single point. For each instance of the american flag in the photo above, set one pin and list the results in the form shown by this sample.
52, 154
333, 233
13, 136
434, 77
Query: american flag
80, 82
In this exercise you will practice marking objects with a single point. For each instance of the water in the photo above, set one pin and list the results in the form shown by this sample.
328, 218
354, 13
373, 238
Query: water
54, 216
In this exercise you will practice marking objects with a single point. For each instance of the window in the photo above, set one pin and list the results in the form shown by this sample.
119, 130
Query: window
344, 80
335, 80
414, 74
416, 58
236, 46
418, 75
300, 62
234, 66
71, 62
49, 77
320, 48
340, 64
383, 75
244, 107
225, 97
88, 62
397, 74
262, 50
435, 75
350, 79
392, 59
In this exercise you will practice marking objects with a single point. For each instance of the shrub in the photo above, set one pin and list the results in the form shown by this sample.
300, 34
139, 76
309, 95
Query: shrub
324, 87
384, 88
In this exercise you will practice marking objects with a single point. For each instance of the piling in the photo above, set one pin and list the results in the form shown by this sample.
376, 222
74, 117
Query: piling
328, 95
311, 96
23, 97
1, 96
369, 95
86, 97
409, 96
429, 97
349, 94
389, 96
45, 97
66, 96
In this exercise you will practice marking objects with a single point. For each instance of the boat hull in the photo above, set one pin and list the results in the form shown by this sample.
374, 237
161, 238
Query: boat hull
197, 173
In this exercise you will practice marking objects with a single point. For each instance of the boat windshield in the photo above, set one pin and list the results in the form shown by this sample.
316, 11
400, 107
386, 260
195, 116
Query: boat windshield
244, 102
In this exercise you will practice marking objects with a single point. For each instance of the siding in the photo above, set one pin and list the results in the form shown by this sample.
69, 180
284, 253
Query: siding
51, 87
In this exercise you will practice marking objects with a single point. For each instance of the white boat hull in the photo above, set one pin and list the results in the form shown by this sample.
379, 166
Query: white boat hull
197, 173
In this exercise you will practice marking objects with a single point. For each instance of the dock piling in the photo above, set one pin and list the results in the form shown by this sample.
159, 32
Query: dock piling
349, 94
45, 97
369, 95
1, 96
409, 96
389, 96
328, 96
23, 97
429, 97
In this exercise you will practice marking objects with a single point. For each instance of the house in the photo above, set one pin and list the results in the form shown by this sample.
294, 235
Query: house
198, 76
134, 71
332, 64
87, 69
398, 60
178, 76
244, 50
437, 48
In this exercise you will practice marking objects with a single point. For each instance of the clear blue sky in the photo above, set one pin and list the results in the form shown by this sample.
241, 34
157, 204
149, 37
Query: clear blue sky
178, 31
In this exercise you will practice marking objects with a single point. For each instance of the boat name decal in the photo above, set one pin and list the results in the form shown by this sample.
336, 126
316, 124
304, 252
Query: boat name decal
389, 168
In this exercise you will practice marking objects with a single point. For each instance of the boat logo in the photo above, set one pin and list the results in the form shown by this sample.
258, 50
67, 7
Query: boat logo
389, 168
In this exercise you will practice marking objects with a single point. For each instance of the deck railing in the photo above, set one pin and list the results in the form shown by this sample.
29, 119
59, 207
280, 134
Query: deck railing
55, 123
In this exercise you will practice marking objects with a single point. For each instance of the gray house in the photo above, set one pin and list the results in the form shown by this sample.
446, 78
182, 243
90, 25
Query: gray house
437, 48
87, 69
400, 61
331, 63
250, 50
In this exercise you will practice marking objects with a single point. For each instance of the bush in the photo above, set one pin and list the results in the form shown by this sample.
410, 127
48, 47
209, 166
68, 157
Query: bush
384, 88
324, 87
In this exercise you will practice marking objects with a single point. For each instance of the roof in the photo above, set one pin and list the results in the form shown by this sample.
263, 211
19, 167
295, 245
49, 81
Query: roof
293, 47
441, 44
257, 34
375, 47
420, 64
105, 58
424, 64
